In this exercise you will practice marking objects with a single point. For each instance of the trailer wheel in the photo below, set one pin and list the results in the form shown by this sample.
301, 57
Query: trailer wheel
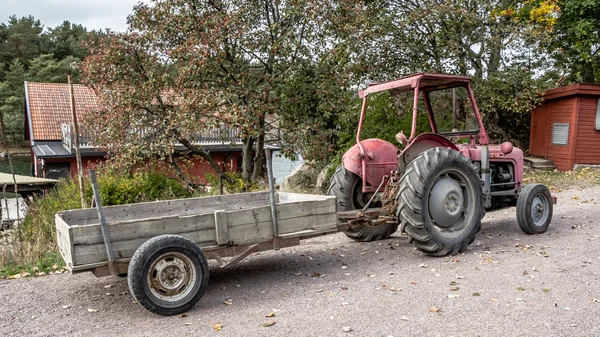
347, 188
534, 209
440, 202
168, 274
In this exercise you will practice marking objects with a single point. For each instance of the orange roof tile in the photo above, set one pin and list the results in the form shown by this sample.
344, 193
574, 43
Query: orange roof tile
49, 107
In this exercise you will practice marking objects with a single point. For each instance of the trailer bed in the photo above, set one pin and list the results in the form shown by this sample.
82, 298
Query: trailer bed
222, 226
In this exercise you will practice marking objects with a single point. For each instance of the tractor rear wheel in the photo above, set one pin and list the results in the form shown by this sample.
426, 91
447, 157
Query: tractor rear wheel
440, 202
347, 187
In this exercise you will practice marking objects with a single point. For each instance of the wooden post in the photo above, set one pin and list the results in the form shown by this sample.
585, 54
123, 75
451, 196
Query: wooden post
454, 117
76, 140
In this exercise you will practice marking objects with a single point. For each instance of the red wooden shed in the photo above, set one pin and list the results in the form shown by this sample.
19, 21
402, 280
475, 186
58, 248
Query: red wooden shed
566, 127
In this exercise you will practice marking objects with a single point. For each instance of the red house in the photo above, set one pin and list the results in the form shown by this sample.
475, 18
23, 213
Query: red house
48, 124
566, 127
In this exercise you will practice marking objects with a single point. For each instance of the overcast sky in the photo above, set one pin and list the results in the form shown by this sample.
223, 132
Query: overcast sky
92, 14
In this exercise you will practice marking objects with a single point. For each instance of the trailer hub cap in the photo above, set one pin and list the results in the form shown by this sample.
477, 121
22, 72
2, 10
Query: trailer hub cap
171, 276
445, 202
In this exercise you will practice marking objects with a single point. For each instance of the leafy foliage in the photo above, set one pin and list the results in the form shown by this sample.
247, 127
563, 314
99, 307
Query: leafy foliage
263, 67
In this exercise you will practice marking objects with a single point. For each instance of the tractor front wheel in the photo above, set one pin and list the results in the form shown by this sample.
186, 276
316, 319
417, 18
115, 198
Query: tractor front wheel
347, 188
534, 209
440, 202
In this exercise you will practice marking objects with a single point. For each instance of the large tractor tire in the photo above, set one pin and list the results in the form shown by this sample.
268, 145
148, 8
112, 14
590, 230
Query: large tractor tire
347, 187
440, 202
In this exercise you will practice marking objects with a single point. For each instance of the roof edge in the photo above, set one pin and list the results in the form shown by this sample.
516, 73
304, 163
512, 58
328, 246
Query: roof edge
572, 90
28, 113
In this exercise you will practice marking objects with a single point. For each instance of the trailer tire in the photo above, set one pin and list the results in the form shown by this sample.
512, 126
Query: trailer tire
440, 202
345, 187
168, 274
534, 209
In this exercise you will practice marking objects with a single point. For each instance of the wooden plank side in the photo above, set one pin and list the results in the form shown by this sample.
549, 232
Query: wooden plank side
145, 228
221, 227
250, 225
64, 239
88, 254
176, 207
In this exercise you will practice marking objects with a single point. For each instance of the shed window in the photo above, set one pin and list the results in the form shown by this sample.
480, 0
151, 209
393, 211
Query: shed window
560, 133
598, 115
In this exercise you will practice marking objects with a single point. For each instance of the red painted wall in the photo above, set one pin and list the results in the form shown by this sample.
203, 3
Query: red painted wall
198, 168
588, 139
561, 111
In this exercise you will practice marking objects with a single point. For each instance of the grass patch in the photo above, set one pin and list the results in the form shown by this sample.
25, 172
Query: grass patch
557, 181
49, 263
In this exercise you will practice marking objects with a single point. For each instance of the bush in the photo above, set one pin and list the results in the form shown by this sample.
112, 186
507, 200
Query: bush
36, 236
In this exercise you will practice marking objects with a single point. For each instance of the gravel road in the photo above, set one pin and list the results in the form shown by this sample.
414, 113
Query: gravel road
506, 284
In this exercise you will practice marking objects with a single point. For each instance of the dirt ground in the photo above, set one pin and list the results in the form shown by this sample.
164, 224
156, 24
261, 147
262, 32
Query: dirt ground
506, 284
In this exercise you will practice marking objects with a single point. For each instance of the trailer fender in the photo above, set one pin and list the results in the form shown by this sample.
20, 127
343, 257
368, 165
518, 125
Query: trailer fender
380, 155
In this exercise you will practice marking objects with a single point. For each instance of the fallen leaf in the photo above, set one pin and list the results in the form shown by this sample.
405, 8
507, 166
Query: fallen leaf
92, 310
520, 289
271, 314
183, 315
218, 327
187, 324
575, 197
228, 302
297, 274
546, 290
476, 294
413, 283
268, 324
344, 288
434, 309
454, 289
316, 275
494, 299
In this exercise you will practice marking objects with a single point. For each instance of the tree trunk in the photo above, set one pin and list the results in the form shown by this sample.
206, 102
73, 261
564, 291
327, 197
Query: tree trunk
206, 156
247, 158
587, 73
259, 155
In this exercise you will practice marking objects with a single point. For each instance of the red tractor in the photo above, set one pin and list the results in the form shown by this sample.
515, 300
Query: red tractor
438, 187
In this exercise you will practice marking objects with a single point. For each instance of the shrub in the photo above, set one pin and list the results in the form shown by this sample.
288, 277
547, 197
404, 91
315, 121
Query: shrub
36, 236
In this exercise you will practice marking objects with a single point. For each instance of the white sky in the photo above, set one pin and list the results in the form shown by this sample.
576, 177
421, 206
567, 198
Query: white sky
92, 14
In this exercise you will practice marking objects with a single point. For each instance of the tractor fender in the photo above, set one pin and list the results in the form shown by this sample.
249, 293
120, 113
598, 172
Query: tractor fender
381, 157
419, 145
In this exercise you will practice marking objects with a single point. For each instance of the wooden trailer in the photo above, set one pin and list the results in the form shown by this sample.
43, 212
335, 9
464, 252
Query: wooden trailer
163, 246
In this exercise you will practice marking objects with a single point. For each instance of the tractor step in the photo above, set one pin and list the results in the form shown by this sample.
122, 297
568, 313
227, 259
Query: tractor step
538, 163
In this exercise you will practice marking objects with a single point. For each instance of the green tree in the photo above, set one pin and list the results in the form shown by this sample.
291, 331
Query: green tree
11, 102
189, 65
20, 39
65, 40
45, 68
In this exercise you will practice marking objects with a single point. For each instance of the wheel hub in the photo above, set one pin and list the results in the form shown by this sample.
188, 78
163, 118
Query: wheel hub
538, 210
445, 202
170, 277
